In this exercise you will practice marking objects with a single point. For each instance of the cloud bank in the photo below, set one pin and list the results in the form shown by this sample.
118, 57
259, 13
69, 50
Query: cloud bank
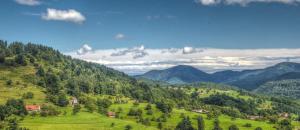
70, 15
139, 59
244, 2
28, 2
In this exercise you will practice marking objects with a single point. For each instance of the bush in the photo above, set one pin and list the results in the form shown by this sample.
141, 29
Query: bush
258, 128
233, 127
49, 110
128, 127
9, 82
28, 95
248, 125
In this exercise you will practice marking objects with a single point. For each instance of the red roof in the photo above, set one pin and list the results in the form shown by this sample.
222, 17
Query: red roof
32, 107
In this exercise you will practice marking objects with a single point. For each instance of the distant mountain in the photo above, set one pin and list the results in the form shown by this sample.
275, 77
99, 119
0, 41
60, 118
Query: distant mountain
247, 79
178, 75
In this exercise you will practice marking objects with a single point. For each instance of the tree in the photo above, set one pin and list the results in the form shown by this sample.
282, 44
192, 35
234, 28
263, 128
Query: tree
185, 124
128, 127
217, 125
28, 95
20, 59
159, 125
164, 107
62, 100
9, 82
13, 124
76, 109
4, 112
17, 106
2, 57
201, 125
258, 128
233, 127
284, 125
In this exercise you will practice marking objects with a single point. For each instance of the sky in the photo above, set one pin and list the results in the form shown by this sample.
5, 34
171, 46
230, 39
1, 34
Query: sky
136, 36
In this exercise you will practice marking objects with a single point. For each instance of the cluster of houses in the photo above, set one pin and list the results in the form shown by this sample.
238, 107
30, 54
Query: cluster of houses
37, 108
73, 102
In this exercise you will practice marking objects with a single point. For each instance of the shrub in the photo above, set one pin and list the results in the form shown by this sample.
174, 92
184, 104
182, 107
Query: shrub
248, 125
49, 110
28, 95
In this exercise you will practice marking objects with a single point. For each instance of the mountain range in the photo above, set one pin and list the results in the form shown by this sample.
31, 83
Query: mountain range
246, 79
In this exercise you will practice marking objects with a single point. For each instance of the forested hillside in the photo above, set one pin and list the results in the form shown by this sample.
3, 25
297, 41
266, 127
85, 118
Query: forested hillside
34, 74
285, 88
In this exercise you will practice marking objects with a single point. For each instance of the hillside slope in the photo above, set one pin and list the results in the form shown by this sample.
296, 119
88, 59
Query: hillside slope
285, 88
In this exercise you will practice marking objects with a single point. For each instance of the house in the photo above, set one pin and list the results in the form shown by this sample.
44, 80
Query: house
254, 117
33, 108
199, 111
111, 114
73, 101
284, 115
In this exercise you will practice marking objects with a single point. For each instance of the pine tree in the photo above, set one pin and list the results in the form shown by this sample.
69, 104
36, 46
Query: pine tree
217, 125
201, 124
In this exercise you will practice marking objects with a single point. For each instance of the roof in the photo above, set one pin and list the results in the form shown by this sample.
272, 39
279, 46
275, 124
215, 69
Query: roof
32, 107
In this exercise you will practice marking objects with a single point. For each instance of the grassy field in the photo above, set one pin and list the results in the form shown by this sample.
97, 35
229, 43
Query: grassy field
95, 121
20, 85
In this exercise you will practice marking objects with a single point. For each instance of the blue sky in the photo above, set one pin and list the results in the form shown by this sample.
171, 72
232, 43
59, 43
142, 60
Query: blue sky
104, 25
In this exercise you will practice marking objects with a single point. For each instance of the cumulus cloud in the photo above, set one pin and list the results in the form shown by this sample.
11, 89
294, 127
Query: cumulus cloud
190, 50
139, 59
135, 52
84, 49
120, 36
244, 2
28, 2
70, 15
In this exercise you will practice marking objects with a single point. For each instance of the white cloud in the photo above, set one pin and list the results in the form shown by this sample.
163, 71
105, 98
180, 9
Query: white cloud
70, 15
120, 36
84, 49
190, 50
244, 2
140, 59
135, 52
28, 2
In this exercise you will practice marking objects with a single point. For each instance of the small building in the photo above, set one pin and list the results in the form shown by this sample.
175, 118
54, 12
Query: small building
73, 101
254, 117
33, 108
200, 111
284, 115
111, 114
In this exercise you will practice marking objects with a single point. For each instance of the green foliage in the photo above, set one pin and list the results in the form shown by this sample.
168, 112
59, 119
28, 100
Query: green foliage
258, 128
9, 82
165, 107
185, 124
200, 123
49, 110
76, 109
128, 127
62, 100
16, 106
233, 127
284, 125
28, 95
248, 125
248, 107
217, 125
